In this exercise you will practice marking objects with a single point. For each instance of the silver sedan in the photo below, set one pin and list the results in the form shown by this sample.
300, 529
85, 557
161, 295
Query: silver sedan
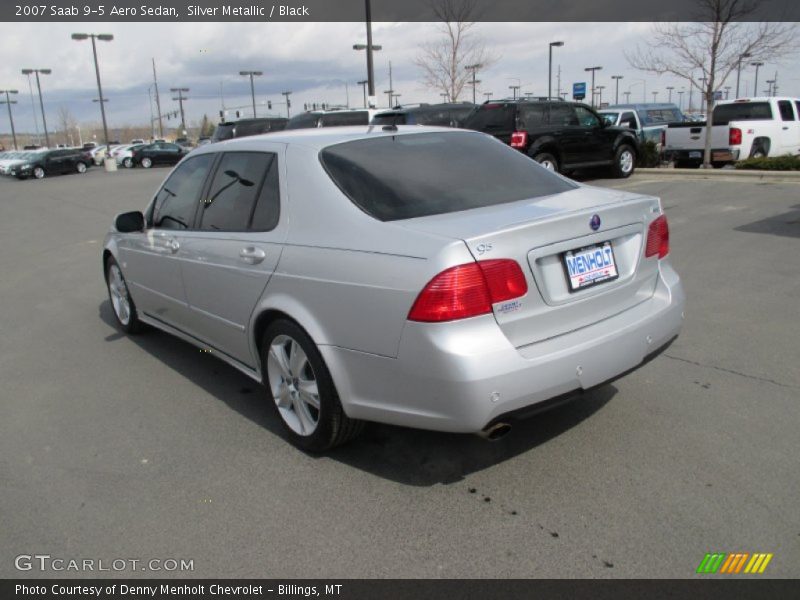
424, 277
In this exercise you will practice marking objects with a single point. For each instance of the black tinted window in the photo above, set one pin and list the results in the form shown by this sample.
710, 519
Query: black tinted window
628, 119
492, 117
247, 128
787, 114
586, 117
176, 201
407, 176
389, 119
233, 193
531, 115
265, 216
742, 111
223, 131
303, 121
562, 114
345, 118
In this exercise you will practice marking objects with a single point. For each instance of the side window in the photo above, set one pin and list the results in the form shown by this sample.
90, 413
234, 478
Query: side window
562, 115
233, 192
797, 106
531, 115
586, 118
268, 207
787, 114
628, 119
344, 118
176, 201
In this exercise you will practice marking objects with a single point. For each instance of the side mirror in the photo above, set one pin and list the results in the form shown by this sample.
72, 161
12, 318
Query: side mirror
129, 222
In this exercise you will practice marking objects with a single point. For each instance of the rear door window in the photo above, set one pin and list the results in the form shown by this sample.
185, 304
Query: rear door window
407, 176
232, 196
492, 117
532, 115
787, 113
562, 115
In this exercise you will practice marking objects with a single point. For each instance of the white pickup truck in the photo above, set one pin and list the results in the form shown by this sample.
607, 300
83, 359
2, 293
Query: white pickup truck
742, 128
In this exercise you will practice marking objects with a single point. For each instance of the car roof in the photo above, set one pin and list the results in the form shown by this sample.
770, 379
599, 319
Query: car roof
641, 106
321, 137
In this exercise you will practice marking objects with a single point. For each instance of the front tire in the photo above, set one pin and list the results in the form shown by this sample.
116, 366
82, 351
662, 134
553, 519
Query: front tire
38, 172
121, 302
127, 162
302, 390
624, 162
547, 160
81, 168
147, 162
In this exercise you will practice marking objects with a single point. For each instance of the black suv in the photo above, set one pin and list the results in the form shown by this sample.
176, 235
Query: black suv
445, 115
52, 162
562, 136
247, 127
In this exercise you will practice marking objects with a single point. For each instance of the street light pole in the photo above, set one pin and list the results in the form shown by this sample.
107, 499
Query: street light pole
158, 103
363, 85
103, 37
252, 74
755, 85
180, 100
9, 101
739, 70
669, 91
474, 68
616, 93
370, 48
592, 69
600, 89
550, 67
41, 102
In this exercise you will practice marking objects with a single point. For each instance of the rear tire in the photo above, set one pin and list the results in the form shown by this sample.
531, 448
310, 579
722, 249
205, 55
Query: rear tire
127, 162
301, 389
81, 168
146, 162
547, 160
624, 162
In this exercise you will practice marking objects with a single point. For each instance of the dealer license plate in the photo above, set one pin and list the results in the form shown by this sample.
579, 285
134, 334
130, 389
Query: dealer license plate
590, 265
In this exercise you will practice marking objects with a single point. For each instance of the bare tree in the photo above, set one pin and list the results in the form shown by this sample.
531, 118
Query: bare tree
713, 47
444, 61
67, 124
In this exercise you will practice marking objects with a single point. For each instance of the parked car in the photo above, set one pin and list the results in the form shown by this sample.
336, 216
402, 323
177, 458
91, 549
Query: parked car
98, 153
451, 114
53, 162
332, 118
419, 276
562, 136
161, 153
137, 141
8, 160
124, 157
647, 120
246, 127
743, 128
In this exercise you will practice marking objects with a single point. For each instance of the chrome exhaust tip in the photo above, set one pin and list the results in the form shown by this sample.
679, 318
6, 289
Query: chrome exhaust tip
495, 432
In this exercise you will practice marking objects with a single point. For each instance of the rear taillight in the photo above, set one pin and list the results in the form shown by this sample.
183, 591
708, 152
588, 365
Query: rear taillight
519, 139
663, 137
657, 238
469, 290
735, 136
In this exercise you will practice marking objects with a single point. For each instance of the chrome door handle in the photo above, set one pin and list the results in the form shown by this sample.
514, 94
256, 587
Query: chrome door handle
173, 245
786, 128
252, 255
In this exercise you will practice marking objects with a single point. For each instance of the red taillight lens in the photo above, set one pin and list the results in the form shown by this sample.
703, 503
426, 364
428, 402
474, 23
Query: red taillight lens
657, 238
519, 139
468, 290
735, 136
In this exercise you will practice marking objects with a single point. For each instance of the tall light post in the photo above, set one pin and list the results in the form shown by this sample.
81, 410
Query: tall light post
103, 37
680, 99
180, 100
655, 95
41, 102
769, 86
739, 70
727, 91
369, 47
616, 78
363, 85
252, 74
286, 95
592, 69
600, 89
669, 91
474, 68
444, 96
755, 84
488, 95
550, 67
627, 97
9, 102
514, 89
33, 111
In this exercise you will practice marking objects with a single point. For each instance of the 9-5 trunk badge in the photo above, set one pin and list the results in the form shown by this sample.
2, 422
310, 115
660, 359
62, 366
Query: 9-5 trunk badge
594, 222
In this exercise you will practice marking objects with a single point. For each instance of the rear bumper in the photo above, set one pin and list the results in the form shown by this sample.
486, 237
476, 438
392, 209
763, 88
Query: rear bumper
462, 376
721, 155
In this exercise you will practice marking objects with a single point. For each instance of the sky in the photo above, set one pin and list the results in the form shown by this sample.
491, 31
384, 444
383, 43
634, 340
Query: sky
314, 60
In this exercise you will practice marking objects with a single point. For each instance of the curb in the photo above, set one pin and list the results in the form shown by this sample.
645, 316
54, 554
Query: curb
723, 173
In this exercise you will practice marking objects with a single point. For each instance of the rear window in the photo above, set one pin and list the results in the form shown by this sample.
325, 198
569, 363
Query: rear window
389, 119
304, 121
345, 118
742, 111
223, 131
491, 117
408, 176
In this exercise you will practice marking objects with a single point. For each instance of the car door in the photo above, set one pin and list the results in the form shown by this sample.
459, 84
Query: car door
596, 146
230, 258
150, 259
789, 133
569, 135
52, 162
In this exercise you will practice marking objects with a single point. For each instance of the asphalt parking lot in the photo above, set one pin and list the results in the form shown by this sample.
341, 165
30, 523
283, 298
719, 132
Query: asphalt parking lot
117, 447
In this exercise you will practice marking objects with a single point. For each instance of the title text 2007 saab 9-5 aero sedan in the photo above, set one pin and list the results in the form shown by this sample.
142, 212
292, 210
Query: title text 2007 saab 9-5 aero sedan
424, 277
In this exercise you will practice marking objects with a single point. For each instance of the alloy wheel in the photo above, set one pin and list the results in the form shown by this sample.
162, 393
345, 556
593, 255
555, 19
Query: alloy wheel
293, 385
